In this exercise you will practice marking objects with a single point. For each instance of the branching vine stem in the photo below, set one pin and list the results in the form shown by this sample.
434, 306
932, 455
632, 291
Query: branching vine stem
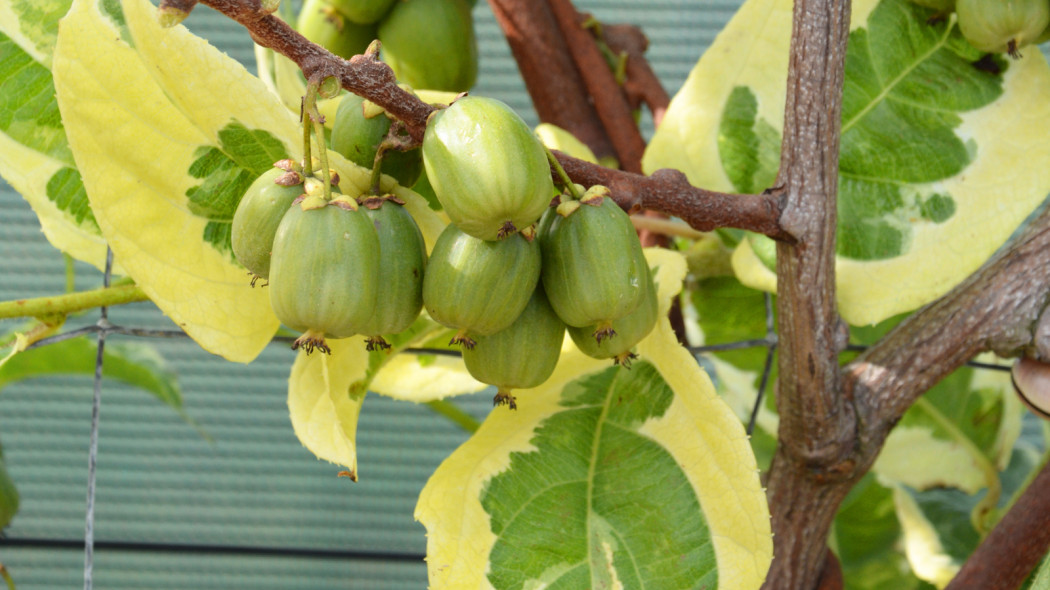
666, 191
833, 420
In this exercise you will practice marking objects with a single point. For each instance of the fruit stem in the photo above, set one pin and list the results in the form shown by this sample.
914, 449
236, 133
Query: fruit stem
377, 168
316, 120
308, 164
65, 304
565, 180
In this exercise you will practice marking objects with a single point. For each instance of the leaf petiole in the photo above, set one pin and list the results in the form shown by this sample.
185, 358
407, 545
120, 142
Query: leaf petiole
61, 305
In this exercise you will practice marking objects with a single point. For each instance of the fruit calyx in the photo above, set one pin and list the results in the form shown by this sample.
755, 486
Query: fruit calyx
504, 398
310, 341
462, 338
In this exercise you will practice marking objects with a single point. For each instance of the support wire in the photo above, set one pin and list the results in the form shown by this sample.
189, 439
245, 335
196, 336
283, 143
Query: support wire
96, 404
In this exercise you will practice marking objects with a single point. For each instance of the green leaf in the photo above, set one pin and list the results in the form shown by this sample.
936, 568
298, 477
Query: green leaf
28, 109
748, 145
940, 160
35, 157
138, 365
959, 434
66, 191
603, 477
614, 528
938, 532
866, 536
38, 21
227, 170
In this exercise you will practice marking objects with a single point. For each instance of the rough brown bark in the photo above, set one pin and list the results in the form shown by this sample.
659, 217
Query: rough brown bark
557, 90
811, 470
609, 99
995, 309
669, 192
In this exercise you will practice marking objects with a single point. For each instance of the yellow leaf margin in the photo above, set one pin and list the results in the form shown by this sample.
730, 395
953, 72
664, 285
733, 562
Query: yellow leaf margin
753, 51
702, 433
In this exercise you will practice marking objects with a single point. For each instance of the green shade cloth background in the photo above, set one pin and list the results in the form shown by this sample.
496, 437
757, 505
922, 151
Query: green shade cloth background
252, 508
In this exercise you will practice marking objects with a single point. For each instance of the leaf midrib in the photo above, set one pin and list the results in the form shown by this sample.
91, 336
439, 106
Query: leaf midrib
599, 427
847, 125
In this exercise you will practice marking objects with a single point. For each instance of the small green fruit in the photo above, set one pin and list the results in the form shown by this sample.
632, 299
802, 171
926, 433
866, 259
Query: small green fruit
594, 270
629, 330
1002, 25
256, 219
324, 273
322, 23
477, 286
357, 137
488, 170
522, 355
430, 44
402, 260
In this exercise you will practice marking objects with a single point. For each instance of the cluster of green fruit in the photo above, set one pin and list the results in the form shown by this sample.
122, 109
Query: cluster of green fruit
997, 26
511, 271
335, 266
428, 43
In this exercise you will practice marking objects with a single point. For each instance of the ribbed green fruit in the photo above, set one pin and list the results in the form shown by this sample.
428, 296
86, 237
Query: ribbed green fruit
629, 330
476, 286
594, 271
256, 219
430, 44
1002, 26
402, 261
321, 22
488, 170
363, 11
324, 274
422, 188
357, 138
521, 356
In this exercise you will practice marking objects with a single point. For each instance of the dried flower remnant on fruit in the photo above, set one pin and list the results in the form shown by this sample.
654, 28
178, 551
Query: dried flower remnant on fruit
504, 398
311, 341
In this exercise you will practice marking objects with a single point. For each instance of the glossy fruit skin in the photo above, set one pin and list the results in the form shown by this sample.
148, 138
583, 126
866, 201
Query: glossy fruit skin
524, 354
1002, 26
430, 44
357, 138
321, 22
630, 329
256, 219
402, 262
486, 167
477, 285
593, 266
324, 272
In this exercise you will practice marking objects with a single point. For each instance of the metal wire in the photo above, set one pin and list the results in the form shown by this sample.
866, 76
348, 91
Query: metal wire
771, 338
96, 405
